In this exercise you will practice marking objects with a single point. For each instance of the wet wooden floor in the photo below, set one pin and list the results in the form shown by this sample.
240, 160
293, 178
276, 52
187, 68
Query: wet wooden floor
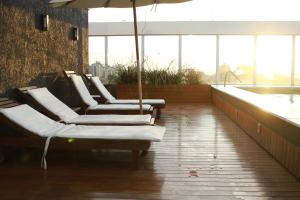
204, 156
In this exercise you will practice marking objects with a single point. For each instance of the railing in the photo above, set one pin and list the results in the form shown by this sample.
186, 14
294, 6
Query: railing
234, 75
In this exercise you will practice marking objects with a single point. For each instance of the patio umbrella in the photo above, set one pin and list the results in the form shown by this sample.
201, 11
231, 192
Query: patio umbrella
85, 4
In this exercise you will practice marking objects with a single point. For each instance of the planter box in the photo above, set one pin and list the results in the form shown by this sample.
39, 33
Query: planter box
171, 93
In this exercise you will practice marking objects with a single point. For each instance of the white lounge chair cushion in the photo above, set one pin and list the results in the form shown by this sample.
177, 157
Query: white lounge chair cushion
39, 124
148, 133
104, 92
112, 119
33, 121
136, 101
83, 91
54, 105
121, 107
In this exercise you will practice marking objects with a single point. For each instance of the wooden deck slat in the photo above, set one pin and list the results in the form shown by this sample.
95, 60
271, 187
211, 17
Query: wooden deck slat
204, 155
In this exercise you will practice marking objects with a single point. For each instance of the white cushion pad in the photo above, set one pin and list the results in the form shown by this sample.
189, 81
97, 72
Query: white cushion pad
83, 91
54, 105
119, 107
39, 124
136, 101
112, 119
102, 89
149, 133
33, 121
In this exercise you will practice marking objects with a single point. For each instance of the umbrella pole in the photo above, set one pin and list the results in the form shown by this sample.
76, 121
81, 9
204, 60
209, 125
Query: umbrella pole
137, 57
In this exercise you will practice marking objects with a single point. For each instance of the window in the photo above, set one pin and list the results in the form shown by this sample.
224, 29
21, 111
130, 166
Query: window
274, 58
297, 61
236, 54
96, 50
199, 53
161, 52
121, 50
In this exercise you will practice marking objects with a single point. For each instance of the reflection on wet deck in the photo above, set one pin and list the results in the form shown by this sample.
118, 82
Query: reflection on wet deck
204, 155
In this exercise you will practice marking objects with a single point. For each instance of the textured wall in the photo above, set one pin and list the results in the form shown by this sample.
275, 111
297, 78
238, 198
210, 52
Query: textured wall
30, 56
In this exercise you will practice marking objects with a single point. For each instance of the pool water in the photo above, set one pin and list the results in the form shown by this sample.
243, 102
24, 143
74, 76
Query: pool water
285, 103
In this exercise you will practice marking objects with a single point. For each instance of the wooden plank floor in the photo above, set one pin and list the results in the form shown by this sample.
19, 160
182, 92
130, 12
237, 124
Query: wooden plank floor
204, 156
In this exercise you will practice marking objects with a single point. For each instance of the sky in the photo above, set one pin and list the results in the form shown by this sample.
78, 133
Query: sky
206, 10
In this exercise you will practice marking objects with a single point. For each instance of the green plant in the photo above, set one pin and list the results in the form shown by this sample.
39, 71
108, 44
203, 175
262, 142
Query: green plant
193, 77
125, 74
159, 77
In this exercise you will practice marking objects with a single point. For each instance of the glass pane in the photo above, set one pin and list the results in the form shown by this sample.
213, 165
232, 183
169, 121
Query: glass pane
121, 50
161, 52
274, 57
199, 53
236, 55
297, 61
97, 57
96, 50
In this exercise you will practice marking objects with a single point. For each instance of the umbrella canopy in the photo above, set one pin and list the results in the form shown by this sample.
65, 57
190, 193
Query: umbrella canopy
108, 3
117, 4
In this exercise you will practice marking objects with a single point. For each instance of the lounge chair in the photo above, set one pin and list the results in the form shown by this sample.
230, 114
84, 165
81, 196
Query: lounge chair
48, 104
108, 98
91, 106
37, 130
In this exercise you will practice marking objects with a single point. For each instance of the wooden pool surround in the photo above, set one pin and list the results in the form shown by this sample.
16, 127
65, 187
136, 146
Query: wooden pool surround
275, 134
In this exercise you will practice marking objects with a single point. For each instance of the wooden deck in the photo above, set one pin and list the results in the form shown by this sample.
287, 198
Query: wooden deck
204, 156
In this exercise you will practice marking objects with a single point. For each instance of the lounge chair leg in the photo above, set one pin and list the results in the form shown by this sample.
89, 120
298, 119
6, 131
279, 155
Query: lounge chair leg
2, 157
144, 152
135, 158
158, 113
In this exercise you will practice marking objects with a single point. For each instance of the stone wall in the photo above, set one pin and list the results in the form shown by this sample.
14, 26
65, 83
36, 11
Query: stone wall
30, 56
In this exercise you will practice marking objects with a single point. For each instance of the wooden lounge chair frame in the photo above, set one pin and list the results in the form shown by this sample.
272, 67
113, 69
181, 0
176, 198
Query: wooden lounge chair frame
85, 107
27, 139
28, 99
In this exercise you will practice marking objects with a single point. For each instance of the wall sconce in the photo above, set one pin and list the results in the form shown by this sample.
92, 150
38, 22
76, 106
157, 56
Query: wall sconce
75, 35
45, 22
